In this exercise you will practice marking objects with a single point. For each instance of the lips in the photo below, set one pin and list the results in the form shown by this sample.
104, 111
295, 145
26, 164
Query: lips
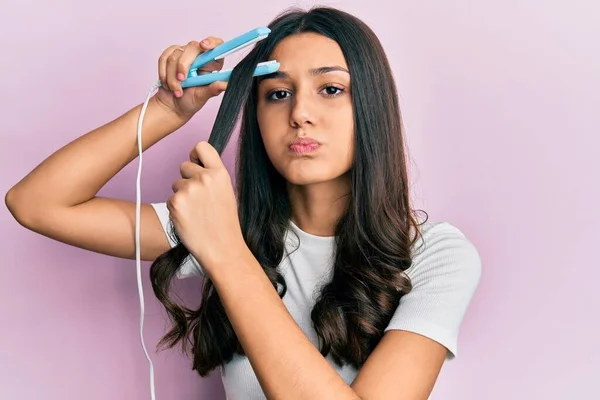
304, 146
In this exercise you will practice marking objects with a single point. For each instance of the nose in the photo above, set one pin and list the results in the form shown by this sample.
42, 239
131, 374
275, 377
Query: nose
302, 113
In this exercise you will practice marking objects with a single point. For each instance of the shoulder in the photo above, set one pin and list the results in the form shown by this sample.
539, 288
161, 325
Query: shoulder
444, 274
443, 251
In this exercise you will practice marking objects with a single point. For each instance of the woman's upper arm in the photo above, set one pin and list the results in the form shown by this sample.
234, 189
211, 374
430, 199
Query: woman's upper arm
424, 328
105, 226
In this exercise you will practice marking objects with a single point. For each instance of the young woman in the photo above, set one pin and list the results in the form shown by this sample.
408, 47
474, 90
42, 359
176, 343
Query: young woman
320, 280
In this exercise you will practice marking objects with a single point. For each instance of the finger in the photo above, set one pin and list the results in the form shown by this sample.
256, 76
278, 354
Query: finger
192, 50
179, 62
218, 87
205, 93
162, 65
194, 157
208, 44
207, 156
179, 184
189, 169
211, 66
174, 66
214, 89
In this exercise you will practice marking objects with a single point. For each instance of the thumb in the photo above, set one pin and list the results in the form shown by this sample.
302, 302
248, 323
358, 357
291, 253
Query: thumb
206, 155
204, 93
216, 88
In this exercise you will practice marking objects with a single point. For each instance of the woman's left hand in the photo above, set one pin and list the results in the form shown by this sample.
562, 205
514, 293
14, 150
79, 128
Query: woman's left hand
203, 208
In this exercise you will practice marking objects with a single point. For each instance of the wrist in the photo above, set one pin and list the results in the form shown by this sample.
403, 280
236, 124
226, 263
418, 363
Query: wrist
167, 114
237, 259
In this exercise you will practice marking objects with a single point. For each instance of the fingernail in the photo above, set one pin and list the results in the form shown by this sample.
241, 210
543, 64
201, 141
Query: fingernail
180, 76
177, 93
204, 42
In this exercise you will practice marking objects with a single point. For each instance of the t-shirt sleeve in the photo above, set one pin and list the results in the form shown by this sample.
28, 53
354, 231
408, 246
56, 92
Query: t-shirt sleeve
445, 274
190, 266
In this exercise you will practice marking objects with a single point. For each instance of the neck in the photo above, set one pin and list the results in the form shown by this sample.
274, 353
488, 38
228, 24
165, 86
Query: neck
317, 207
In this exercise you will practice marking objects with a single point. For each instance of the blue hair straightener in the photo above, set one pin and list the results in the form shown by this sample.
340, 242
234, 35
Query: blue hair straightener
223, 50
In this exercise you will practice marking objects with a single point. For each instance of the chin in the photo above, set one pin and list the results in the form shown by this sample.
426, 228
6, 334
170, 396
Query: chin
305, 181
309, 177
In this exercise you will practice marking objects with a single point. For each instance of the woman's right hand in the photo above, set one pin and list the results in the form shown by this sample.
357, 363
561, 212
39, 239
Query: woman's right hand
173, 68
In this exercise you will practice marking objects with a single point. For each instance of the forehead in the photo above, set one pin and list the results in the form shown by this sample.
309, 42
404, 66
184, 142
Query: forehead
307, 50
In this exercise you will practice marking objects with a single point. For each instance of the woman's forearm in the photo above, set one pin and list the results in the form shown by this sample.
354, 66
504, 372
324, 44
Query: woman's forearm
77, 171
286, 363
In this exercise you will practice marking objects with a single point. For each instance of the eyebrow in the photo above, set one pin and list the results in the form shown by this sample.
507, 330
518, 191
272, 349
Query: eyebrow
312, 72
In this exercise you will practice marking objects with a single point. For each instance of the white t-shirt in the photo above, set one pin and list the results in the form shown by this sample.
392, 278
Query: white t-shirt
444, 274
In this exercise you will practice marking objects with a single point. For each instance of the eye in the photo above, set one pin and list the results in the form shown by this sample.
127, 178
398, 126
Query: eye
280, 94
277, 95
333, 91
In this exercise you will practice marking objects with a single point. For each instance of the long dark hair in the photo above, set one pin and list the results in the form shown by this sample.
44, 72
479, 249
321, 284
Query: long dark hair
374, 237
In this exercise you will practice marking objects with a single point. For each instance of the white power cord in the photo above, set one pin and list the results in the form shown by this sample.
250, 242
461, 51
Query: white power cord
138, 262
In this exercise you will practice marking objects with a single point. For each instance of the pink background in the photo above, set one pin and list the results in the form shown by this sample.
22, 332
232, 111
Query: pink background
500, 100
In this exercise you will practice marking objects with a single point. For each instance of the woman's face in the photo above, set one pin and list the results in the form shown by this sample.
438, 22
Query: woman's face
305, 111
